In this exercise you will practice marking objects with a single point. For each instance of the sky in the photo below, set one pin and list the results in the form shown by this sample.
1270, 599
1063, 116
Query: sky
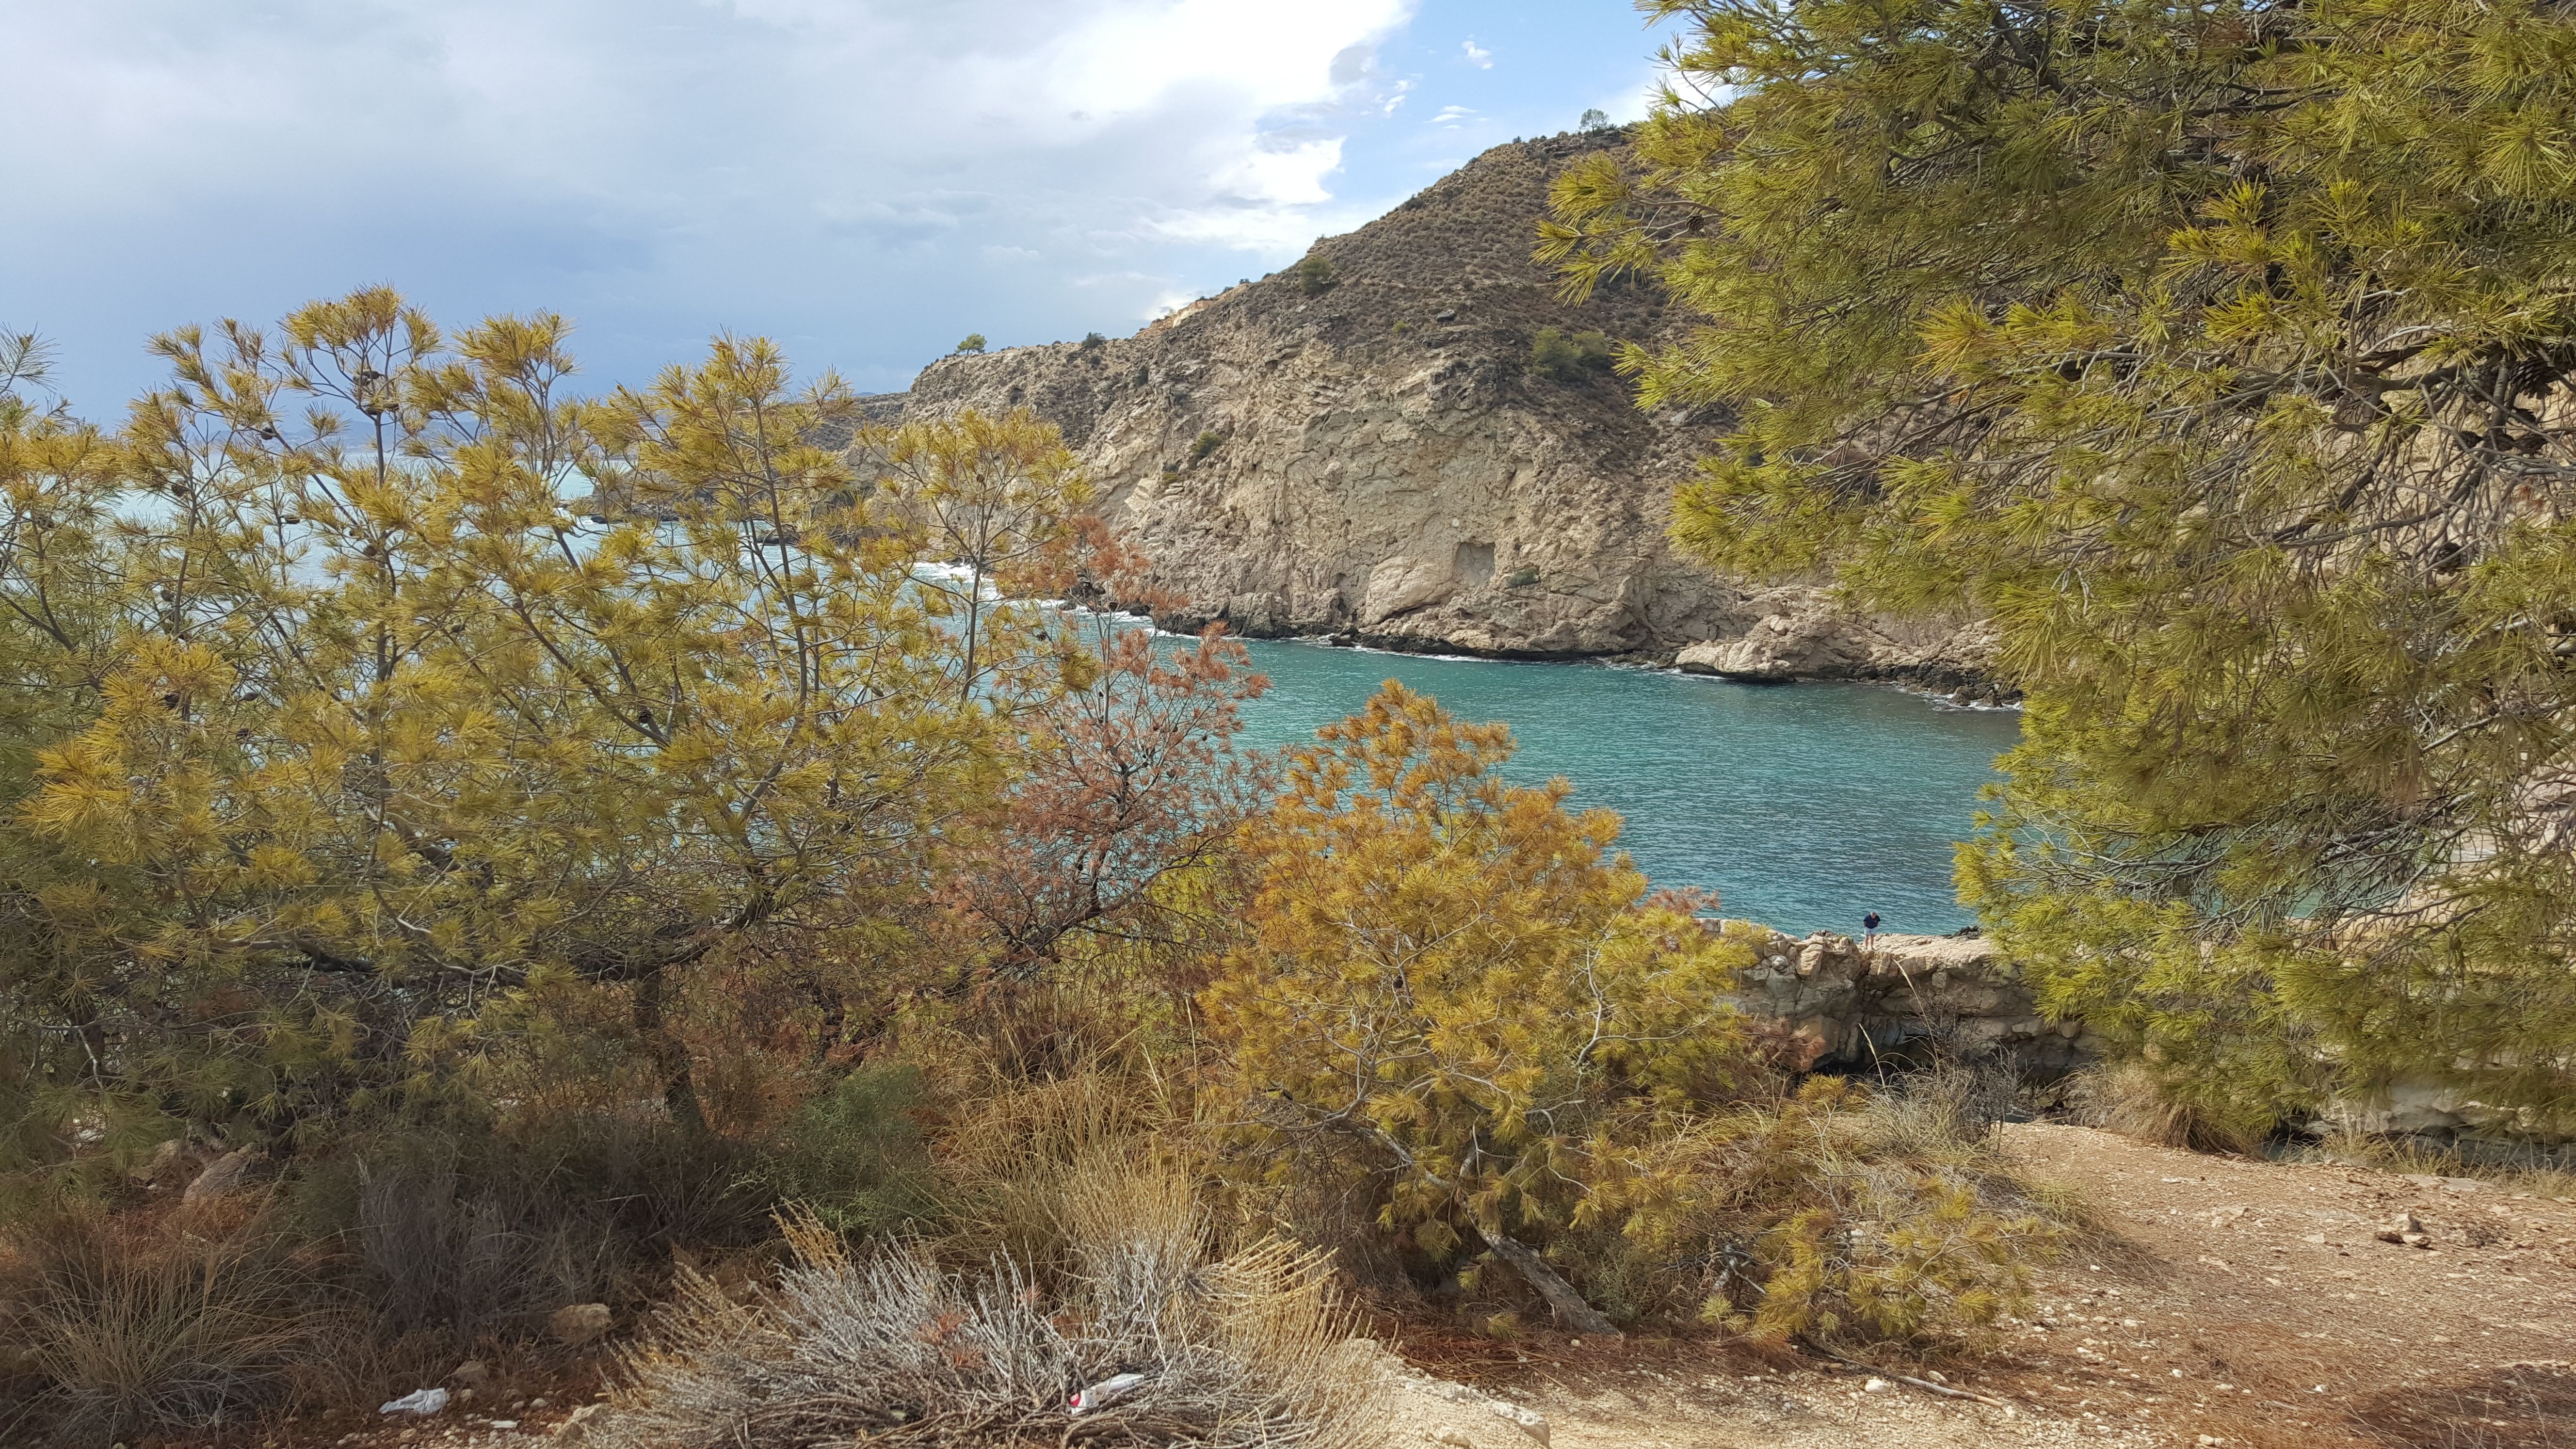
866, 181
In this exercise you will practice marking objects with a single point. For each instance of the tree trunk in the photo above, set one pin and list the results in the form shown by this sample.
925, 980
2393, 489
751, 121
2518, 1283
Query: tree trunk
1570, 1309
670, 1059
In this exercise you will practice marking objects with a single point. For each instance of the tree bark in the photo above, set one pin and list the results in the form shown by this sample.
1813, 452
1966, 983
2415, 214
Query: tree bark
670, 1059
1570, 1309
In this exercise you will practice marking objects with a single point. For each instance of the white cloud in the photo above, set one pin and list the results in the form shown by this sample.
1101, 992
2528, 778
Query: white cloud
815, 166
1167, 302
1634, 101
1452, 116
1476, 55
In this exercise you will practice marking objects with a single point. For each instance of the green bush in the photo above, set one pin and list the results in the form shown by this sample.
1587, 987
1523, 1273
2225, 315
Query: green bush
1568, 356
1207, 443
1834, 1216
1314, 276
974, 343
855, 1156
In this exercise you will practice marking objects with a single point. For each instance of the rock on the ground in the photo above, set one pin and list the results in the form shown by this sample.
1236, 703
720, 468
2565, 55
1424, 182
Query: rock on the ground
578, 1323
229, 1173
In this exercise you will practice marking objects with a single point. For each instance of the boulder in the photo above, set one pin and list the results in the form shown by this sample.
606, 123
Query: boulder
578, 1323
1743, 660
1807, 641
229, 1173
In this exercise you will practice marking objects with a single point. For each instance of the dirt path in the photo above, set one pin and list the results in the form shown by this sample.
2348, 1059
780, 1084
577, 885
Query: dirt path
2245, 1302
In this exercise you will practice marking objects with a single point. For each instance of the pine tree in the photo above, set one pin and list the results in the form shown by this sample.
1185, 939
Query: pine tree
379, 715
2219, 355
1451, 987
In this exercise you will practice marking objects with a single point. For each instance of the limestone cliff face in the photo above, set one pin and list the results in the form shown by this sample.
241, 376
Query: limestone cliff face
1381, 458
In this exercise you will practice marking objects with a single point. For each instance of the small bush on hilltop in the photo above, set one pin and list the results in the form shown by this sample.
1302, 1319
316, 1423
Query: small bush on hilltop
1313, 275
1570, 356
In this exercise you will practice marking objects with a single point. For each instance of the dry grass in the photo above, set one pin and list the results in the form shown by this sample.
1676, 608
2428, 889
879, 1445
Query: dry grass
1238, 1351
1839, 1218
2413, 1156
1014, 1161
199, 1318
2126, 1097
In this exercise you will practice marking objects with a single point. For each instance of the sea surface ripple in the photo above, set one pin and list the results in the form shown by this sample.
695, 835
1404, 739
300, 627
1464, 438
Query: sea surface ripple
1803, 806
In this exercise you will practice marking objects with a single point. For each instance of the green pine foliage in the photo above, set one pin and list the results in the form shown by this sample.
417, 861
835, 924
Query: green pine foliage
358, 769
2219, 355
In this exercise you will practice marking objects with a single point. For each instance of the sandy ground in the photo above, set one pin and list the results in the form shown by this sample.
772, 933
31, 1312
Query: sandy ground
2231, 1302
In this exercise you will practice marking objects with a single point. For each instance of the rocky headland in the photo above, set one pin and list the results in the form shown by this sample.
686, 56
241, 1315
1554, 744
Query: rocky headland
1366, 445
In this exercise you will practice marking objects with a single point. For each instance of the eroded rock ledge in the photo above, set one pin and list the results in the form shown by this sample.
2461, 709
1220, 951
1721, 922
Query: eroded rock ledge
1846, 1008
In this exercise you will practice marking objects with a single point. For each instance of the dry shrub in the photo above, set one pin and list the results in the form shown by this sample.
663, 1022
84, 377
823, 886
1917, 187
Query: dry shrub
1012, 1160
2513, 1167
1836, 1217
888, 1347
2130, 1099
461, 1234
438, 1251
193, 1319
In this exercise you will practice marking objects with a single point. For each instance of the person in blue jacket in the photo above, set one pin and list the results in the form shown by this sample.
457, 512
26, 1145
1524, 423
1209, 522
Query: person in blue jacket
1869, 929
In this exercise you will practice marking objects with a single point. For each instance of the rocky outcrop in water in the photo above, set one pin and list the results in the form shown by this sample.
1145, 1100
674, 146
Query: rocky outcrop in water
1369, 445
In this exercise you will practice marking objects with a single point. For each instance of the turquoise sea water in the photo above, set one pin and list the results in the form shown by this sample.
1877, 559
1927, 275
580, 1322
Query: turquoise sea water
1803, 806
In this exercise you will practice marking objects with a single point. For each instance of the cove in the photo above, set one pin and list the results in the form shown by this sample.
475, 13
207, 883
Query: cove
1803, 806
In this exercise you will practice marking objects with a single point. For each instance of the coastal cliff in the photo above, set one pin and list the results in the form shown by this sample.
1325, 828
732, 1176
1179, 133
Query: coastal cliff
1368, 445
